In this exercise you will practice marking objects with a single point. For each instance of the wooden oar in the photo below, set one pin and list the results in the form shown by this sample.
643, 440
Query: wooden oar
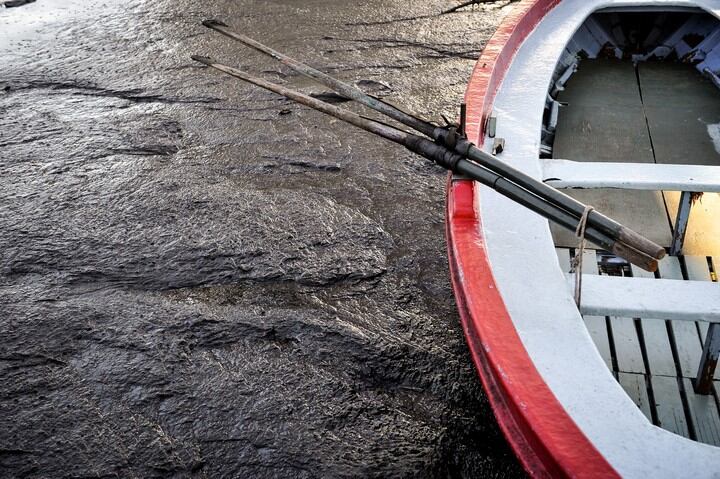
460, 145
448, 159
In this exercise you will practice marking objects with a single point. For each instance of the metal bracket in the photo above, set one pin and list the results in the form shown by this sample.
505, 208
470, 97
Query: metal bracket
458, 177
708, 362
681, 222
498, 146
491, 126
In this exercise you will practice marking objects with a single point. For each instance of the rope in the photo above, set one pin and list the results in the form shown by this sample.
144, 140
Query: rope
577, 263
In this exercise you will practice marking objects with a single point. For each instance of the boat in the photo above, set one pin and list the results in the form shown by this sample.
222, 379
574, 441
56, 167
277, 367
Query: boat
616, 103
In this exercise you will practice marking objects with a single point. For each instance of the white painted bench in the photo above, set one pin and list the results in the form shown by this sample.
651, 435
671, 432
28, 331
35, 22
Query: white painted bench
639, 176
661, 299
649, 298
631, 176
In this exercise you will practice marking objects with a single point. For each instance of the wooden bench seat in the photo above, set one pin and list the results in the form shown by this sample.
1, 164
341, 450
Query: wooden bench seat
631, 176
649, 298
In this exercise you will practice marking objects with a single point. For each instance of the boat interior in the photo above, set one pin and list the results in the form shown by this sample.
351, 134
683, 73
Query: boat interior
635, 93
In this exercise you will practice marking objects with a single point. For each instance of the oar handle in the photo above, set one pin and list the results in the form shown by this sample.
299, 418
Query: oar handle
630, 237
634, 256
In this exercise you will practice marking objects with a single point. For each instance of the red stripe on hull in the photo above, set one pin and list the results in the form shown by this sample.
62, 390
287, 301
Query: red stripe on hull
546, 440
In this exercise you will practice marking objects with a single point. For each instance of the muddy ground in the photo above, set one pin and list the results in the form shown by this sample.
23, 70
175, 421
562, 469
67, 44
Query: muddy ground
200, 279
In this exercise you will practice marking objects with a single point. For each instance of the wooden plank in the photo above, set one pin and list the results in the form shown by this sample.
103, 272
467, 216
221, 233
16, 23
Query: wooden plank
697, 268
589, 261
650, 298
596, 325
716, 272
682, 217
708, 361
689, 348
657, 341
635, 387
668, 404
658, 349
704, 415
685, 333
631, 176
627, 345
563, 255
669, 267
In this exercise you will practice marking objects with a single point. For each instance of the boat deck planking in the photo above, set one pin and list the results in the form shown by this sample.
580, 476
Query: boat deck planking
655, 361
596, 325
639, 114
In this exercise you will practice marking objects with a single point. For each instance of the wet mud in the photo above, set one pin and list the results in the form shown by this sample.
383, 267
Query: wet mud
201, 279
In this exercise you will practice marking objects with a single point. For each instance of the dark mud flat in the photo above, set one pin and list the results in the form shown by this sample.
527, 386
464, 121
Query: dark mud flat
200, 279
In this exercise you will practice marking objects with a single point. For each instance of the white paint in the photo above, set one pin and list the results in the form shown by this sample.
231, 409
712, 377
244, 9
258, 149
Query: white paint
713, 130
649, 298
533, 287
633, 176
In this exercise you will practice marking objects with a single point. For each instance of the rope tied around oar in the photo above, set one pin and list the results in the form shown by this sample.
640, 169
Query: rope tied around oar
577, 262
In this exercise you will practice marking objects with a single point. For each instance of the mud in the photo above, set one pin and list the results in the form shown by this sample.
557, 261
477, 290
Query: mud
200, 279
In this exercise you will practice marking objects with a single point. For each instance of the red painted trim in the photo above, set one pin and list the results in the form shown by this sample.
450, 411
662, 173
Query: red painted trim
544, 437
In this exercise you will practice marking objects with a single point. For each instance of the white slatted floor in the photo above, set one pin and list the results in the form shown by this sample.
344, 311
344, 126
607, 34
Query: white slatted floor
654, 360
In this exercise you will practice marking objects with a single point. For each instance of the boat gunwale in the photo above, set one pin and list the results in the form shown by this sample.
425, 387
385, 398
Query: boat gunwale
547, 444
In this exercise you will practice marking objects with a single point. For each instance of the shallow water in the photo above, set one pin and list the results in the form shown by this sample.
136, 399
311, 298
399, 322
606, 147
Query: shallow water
199, 278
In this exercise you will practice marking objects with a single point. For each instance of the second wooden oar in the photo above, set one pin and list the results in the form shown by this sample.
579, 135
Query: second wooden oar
459, 144
449, 160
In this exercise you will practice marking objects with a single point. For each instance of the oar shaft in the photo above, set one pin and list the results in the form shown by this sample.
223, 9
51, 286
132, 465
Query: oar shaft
463, 147
348, 91
380, 129
446, 158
